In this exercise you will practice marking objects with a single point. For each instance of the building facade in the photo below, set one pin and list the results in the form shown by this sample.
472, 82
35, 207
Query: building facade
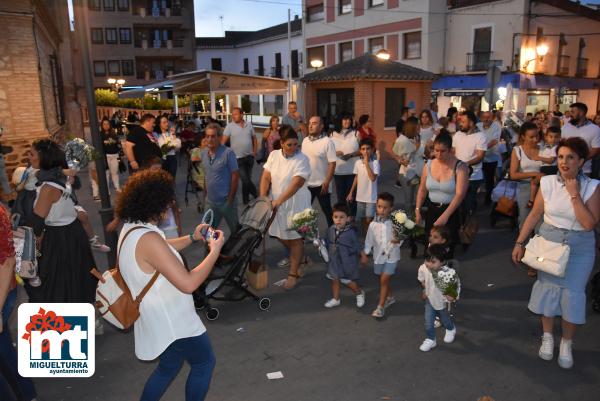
39, 78
544, 60
266, 52
140, 41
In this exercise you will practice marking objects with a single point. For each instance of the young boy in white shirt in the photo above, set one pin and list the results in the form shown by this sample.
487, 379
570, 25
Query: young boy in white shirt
366, 170
381, 243
547, 156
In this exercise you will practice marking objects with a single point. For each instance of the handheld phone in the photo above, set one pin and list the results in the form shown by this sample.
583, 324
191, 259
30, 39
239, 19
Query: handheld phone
209, 233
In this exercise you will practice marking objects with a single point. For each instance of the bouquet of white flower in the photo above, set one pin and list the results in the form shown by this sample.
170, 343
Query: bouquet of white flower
447, 281
403, 226
305, 223
78, 153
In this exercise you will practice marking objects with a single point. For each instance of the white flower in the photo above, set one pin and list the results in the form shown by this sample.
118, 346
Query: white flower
400, 217
409, 224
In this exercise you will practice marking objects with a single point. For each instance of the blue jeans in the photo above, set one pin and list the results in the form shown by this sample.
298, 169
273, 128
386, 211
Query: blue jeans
198, 352
221, 210
22, 387
430, 314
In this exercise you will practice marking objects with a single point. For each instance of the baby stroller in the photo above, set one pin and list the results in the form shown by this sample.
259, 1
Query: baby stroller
227, 281
194, 182
508, 190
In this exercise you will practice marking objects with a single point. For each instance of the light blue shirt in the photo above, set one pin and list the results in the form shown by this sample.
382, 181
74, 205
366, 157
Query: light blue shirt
241, 138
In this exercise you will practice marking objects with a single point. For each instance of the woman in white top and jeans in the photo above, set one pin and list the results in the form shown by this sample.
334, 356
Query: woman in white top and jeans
168, 327
524, 168
570, 205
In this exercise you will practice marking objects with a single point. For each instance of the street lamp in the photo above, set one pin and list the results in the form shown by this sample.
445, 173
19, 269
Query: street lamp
116, 83
383, 54
541, 50
316, 63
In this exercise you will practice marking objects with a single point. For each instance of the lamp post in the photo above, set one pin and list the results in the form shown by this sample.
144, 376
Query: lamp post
316, 63
383, 54
106, 210
116, 83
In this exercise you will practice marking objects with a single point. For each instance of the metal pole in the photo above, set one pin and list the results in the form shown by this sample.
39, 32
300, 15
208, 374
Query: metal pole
106, 210
290, 80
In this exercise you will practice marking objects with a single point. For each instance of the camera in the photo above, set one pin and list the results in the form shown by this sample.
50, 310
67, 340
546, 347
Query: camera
210, 233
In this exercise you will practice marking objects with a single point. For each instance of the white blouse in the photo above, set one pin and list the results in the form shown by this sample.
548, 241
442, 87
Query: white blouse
166, 314
558, 208
346, 142
378, 240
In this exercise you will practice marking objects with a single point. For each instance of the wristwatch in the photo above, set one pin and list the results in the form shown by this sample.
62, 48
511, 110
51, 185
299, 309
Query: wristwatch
520, 244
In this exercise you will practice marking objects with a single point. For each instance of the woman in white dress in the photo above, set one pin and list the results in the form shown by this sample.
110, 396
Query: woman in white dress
285, 174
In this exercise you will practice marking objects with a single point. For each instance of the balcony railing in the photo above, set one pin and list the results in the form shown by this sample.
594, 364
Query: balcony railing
478, 61
158, 44
276, 72
157, 11
582, 67
149, 75
563, 65
259, 71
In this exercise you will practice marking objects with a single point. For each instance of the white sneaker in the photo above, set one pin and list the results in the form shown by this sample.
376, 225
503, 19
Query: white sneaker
565, 355
546, 351
35, 281
332, 303
283, 263
427, 345
389, 301
360, 299
379, 312
97, 245
450, 334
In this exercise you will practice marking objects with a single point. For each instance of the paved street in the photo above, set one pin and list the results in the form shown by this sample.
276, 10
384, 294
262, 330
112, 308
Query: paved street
344, 354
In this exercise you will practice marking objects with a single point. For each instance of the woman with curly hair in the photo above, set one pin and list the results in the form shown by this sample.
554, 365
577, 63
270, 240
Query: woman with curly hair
168, 327
66, 254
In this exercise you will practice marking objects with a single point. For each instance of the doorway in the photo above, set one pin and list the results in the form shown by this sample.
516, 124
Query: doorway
332, 104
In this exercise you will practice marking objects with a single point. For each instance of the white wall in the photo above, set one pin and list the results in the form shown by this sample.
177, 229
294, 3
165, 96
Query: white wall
232, 60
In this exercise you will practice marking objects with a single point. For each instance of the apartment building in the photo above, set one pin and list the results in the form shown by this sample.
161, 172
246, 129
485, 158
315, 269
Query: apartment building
412, 31
38, 95
544, 49
265, 52
140, 40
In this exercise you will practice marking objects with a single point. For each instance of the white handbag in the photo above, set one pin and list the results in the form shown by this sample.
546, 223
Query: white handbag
547, 256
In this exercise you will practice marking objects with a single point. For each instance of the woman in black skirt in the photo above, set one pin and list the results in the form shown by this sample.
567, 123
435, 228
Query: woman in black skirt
66, 257
444, 183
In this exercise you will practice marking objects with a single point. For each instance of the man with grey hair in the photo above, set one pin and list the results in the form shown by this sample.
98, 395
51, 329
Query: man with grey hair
242, 140
220, 178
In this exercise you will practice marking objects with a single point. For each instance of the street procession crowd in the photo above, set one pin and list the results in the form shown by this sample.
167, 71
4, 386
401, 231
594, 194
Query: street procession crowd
539, 170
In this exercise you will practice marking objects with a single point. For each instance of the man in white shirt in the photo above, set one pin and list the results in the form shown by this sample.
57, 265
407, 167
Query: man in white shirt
491, 130
580, 126
242, 140
469, 146
320, 151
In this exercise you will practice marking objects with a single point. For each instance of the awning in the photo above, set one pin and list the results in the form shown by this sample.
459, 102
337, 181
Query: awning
461, 84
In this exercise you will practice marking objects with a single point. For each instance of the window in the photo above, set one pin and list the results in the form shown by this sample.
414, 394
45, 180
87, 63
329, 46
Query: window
394, 102
261, 66
114, 67
109, 5
375, 3
125, 35
375, 44
345, 7
111, 35
412, 45
315, 13
127, 67
277, 71
99, 68
97, 37
215, 64
345, 51
295, 64
123, 5
57, 89
315, 53
95, 5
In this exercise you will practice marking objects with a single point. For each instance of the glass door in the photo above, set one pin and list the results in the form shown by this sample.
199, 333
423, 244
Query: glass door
332, 104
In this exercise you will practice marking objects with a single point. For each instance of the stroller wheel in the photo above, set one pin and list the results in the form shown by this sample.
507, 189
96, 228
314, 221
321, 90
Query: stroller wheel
264, 304
212, 313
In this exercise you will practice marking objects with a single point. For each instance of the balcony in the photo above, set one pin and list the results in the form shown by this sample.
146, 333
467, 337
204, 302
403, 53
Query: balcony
151, 75
563, 65
158, 44
582, 67
153, 16
478, 61
259, 71
276, 72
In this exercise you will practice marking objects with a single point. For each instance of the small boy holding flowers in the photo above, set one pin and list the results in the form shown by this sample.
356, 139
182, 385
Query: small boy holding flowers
440, 285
